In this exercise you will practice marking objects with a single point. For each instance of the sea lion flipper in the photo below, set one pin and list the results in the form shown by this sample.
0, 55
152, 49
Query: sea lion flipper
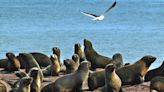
138, 79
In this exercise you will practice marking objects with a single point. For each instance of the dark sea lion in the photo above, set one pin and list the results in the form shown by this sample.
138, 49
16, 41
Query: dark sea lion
71, 82
23, 85
72, 64
3, 86
3, 62
13, 63
112, 80
42, 59
117, 60
157, 84
155, 72
97, 60
29, 61
35, 73
54, 68
79, 52
134, 73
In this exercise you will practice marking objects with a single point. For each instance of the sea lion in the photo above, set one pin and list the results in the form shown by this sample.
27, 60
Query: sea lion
13, 63
134, 73
35, 73
3, 86
42, 59
23, 85
157, 84
97, 60
57, 52
79, 52
129, 74
72, 64
29, 61
70, 82
54, 68
112, 81
117, 60
155, 72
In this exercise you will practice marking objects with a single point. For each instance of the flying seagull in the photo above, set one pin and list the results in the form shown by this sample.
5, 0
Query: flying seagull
102, 16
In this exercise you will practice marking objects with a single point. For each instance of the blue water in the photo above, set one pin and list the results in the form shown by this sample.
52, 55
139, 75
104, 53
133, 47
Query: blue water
134, 27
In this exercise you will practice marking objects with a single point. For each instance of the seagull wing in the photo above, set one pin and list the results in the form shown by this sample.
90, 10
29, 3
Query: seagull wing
113, 5
89, 14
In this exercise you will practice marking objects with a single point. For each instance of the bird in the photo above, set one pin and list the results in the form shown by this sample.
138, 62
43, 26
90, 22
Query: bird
99, 17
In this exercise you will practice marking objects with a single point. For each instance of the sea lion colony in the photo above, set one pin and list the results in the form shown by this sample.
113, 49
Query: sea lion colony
74, 72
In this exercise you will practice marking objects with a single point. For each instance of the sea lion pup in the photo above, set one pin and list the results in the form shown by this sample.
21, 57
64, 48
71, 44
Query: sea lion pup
134, 73
79, 52
71, 82
35, 73
72, 64
23, 85
97, 60
112, 81
57, 52
3, 86
155, 72
13, 63
117, 60
29, 61
157, 84
54, 68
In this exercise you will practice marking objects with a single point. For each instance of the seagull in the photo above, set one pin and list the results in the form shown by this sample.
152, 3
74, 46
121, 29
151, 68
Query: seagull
102, 16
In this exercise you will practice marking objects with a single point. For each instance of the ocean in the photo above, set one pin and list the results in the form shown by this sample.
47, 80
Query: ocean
134, 28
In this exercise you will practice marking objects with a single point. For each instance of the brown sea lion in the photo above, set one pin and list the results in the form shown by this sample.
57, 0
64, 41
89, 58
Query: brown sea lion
13, 63
71, 82
72, 64
112, 81
134, 73
155, 72
23, 85
29, 61
3, 86
3, 62
97, 60
54, 68
79, 52
157, 84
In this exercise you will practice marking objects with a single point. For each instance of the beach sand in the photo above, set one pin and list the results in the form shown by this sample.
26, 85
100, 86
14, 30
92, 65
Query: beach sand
10, 78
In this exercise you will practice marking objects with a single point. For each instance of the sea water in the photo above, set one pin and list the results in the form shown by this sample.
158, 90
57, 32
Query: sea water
133, 28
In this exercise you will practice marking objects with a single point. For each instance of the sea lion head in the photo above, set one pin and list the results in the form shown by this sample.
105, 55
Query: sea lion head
34, 72
87, 43
56, 51
117, 56
77, 47
13, 60
25, 81
69, 63
110, 68
76, 58
85, 65
148, 59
